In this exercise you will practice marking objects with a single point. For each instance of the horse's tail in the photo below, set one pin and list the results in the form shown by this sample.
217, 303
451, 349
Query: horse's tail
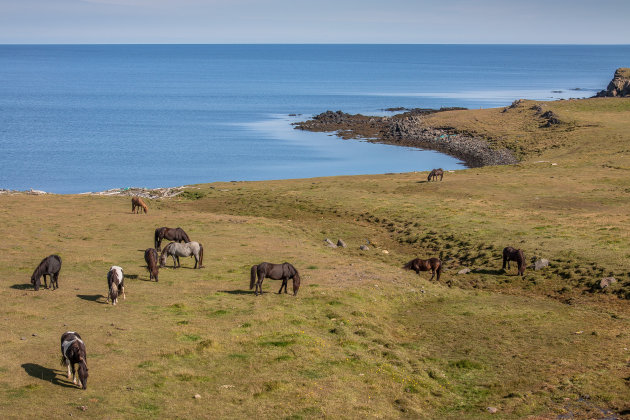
252, 279
200, 255
157, 238
113, 291
439, 270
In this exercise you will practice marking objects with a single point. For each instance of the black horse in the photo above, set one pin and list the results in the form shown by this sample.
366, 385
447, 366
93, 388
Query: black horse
511, 254
282, 272
172, 234
50, 266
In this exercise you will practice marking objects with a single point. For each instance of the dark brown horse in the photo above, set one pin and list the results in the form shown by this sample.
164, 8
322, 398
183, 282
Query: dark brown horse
73, 353
50, 266
435, 173
418, 265
151, 257
137, 205
172, 234
284, 272
511, 254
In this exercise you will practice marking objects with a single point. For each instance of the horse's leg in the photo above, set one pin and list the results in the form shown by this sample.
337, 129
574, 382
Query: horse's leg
68, 366
432, 274
284, 284
196, 260
178, 263
45, 282
259, 285
123, 291
74, 374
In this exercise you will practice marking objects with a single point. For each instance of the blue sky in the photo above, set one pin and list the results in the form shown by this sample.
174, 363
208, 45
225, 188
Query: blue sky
315, 21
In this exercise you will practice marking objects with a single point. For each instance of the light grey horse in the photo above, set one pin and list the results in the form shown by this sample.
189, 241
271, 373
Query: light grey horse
176, 250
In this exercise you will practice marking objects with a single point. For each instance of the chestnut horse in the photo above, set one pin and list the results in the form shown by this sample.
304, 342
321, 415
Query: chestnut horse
284, 272
172, 234
435, 173
418, 265
49, 266
151, 257
137, 205
511, 254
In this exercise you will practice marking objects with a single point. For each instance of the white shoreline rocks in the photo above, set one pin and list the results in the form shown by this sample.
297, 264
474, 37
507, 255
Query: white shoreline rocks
151, 193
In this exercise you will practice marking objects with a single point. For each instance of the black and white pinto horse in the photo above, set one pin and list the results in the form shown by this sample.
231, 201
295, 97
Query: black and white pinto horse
73, 353
50, 266
284, 272
115, 284
176, 250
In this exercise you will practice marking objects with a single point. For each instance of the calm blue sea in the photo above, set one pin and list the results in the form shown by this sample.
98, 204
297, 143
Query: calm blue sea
76, 118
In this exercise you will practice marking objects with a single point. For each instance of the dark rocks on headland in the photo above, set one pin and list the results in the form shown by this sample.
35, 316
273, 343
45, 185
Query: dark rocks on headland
407, 129
619, 86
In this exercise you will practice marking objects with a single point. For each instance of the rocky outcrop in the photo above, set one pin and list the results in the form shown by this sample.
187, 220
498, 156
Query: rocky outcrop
619, 86
474, 151
407, 129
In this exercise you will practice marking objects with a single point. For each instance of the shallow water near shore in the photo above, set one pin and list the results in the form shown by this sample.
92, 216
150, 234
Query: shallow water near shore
93, 117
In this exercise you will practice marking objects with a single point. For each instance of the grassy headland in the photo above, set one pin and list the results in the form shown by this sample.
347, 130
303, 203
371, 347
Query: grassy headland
362, 338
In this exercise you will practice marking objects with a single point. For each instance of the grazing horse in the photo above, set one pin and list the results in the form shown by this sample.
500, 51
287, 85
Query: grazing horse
50, 266
115, 284
418, 265
73, 353
137, 205
435, 173
151, 257
511, 254
172, 234
176, 250
282, 272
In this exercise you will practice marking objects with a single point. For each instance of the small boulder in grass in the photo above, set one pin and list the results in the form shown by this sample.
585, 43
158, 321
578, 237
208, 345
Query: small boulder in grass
464, 271
329, 243
492, 410
540, 264
607, 281
341, 243
197, 396
364, 248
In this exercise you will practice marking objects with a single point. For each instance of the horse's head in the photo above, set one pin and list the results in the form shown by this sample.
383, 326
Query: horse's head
296, 283
35, 282
163, 257
83, 373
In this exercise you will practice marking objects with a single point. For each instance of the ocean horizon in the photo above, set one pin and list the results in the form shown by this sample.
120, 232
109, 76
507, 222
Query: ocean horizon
91, 117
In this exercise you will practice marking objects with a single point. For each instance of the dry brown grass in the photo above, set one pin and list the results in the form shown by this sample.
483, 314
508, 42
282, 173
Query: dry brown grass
363, 338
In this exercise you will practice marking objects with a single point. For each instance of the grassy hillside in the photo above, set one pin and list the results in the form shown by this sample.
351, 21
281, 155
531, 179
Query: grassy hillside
363, 338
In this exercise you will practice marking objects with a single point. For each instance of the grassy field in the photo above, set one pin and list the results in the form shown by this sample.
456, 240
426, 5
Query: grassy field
363, 338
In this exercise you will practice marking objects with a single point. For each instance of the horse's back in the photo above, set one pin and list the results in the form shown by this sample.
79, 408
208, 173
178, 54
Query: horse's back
115, 273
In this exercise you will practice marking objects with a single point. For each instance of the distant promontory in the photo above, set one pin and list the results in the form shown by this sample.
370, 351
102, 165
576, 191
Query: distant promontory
619, 86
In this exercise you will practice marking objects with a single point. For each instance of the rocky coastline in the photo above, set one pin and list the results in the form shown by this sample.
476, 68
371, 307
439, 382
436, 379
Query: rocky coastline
619, 86
408, 129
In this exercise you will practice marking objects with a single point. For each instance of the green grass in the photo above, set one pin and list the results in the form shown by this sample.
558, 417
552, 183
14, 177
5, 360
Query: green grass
363, 338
